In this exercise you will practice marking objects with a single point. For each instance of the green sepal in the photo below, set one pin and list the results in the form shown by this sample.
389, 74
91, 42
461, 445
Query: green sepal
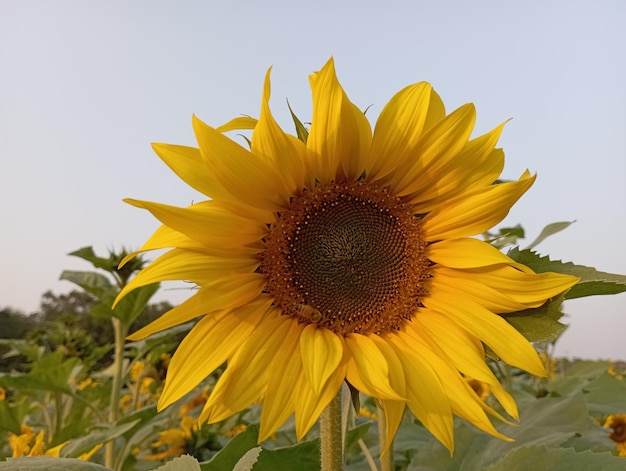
301, 130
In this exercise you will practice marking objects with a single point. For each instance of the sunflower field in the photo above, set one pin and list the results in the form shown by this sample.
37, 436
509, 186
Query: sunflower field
352, 308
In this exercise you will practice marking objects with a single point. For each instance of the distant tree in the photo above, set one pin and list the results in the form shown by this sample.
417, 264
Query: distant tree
14, 323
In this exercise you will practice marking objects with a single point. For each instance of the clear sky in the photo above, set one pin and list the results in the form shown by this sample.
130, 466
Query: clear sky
85, 87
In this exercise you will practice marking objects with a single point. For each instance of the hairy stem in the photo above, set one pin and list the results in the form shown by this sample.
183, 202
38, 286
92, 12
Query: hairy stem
331, 448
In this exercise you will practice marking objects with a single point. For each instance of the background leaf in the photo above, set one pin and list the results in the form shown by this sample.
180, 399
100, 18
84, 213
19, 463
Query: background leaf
48, 463
549, 230
540, 458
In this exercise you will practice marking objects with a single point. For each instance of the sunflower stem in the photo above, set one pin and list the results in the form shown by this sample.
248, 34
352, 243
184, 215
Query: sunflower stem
331, 448
386, 457
121, 330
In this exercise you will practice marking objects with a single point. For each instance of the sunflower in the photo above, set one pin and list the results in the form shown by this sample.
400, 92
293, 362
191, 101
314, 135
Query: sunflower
345, 255
617, 422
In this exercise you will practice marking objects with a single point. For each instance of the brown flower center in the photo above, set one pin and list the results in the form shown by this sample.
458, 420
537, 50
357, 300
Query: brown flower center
348, 257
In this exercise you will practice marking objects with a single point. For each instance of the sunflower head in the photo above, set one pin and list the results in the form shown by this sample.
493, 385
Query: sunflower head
345, 254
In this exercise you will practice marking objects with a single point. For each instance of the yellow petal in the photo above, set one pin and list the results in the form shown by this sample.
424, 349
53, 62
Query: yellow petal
237, 124
181, 264
187, 163
245, 177
368, 370
492, 329
399, 127
530, 289
321, 351
468, 288
469, 253
246, 377
309, 405
455, 173
434, 151
334, 137
206, 222
394, 410
284, 374
474, 212
463, 400
207, 346
462, 349
270, 142
227, 293
426, 396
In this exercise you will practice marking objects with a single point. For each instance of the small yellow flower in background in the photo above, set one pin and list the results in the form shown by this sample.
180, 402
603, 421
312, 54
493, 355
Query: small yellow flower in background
616, 370
345, 254
617, 422
197, 401
88, 455
136, 370
175, 439
126, 401
30, 444
86, 383
364, 412
236, 430
3, 394
145, 385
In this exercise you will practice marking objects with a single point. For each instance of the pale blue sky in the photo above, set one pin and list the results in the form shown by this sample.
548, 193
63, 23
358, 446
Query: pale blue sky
85, 87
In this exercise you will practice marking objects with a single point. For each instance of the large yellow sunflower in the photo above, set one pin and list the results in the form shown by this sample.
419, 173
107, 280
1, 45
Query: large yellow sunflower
348, 257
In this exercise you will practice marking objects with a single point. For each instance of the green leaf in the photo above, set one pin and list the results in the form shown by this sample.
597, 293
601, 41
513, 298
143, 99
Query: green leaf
182, 463
541, 458
94, 283
96, 436
301, 131
592, 282
87, 253
539, 324
549, 230
303, 456
50, 373
547, 421
8, 419
48, 463
228, 456
133, 304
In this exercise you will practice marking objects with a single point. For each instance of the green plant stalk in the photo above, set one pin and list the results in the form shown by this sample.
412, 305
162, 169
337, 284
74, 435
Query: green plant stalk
121, 330
331, 449
386, 460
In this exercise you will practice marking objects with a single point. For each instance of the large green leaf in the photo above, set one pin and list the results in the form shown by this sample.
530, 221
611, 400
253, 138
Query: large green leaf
541, 458
548, 421
303, 456
539, 324
95, 283
592, 282
48, 463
